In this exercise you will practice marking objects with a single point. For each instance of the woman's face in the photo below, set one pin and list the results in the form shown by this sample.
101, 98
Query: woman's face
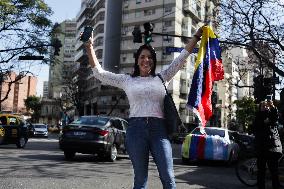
145, 63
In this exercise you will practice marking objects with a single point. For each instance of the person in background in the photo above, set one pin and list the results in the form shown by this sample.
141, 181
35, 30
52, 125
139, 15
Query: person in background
65, 119
146, 132
267, 141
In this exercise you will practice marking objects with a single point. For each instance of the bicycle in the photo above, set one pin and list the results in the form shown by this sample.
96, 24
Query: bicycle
246, 167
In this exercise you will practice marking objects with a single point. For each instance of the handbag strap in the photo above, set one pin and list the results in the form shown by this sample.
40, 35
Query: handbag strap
159, 75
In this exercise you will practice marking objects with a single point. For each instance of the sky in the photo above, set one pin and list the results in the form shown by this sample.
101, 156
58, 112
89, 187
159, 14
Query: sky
63, 9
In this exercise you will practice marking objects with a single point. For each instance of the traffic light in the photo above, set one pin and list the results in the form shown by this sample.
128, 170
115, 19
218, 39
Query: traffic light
137, 35
268, 84
148, 27
56, 43
258, 92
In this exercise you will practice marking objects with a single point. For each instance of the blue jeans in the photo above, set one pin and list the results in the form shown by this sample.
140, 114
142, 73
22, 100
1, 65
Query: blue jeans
146, 135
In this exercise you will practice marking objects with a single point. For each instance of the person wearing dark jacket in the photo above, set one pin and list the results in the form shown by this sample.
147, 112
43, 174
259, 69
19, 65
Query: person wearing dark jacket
268, 144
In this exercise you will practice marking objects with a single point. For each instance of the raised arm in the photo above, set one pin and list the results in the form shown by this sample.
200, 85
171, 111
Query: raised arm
93, 61
104, 76
178, 62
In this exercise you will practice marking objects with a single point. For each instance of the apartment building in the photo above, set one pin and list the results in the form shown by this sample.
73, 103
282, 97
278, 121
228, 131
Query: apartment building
45, 89
105, 18
19, 91
61, 68
237, 75
60, 74
114, 47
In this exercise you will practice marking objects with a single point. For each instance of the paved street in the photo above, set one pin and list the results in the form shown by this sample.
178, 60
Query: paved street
41, 165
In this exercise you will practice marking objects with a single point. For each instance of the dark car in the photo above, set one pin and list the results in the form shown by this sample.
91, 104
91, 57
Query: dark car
13, 130
101, 135
245, 142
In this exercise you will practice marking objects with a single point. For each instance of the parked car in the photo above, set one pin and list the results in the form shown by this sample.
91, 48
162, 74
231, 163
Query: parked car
39, 130
245, 142
13, 130
101, 135
210, 143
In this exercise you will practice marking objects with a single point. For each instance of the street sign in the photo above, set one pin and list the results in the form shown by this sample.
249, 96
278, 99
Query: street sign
169, 50
27, 57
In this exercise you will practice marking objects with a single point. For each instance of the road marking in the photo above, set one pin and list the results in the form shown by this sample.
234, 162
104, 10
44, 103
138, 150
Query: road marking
43, 140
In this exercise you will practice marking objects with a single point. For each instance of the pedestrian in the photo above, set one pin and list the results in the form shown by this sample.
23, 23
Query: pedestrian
65, 119
146, 132
267, 141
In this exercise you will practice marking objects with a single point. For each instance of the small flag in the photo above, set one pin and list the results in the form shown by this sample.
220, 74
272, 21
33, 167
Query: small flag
207, 69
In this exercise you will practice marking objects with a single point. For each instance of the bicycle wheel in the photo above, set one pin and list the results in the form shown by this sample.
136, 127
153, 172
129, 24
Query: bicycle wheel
246, 171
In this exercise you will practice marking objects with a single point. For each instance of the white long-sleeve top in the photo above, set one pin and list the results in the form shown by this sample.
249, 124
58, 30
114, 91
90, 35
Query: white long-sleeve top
145, 94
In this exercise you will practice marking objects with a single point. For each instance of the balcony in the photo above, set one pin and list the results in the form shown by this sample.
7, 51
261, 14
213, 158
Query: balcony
84, 8
194, 13
79, 56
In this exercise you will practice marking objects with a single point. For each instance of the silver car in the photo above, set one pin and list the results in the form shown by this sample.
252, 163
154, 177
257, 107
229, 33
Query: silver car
40, 130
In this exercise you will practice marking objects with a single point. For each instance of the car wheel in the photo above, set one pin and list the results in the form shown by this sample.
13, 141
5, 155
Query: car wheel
21, 143
69, 155
112, 155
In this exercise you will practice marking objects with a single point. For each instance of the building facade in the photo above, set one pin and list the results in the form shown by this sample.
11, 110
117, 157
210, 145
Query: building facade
61, 68
236, 84
60, 75
19, 91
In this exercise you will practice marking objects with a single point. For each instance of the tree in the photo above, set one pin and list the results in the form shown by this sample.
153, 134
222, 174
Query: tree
33, 105
245, 113
24, 30
256, 25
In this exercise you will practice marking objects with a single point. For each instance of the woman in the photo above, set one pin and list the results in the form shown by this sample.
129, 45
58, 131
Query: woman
145, 91
268, 144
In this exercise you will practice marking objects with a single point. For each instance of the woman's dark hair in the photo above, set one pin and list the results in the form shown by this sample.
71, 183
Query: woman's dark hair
137, 54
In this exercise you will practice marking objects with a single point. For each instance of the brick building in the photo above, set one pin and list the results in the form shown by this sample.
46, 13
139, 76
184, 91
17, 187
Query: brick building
20, 90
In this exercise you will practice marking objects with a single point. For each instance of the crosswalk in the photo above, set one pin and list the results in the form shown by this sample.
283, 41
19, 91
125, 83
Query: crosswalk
43, 139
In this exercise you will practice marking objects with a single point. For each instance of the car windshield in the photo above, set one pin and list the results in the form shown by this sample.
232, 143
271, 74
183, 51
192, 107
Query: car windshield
210, 132
100, 121
213, 132
40, 126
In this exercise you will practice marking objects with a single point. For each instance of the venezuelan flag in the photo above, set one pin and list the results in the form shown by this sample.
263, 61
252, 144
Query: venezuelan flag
207, 69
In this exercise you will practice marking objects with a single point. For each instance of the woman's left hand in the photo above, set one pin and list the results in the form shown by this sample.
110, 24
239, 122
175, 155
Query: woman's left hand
199, 32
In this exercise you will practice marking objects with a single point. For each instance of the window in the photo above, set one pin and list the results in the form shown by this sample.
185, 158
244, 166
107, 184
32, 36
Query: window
3, 120
137, 14
117, 124
138, 1
167, 38
148, 1
124, 59
125, 16
168, 9
168, 23
149, 12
